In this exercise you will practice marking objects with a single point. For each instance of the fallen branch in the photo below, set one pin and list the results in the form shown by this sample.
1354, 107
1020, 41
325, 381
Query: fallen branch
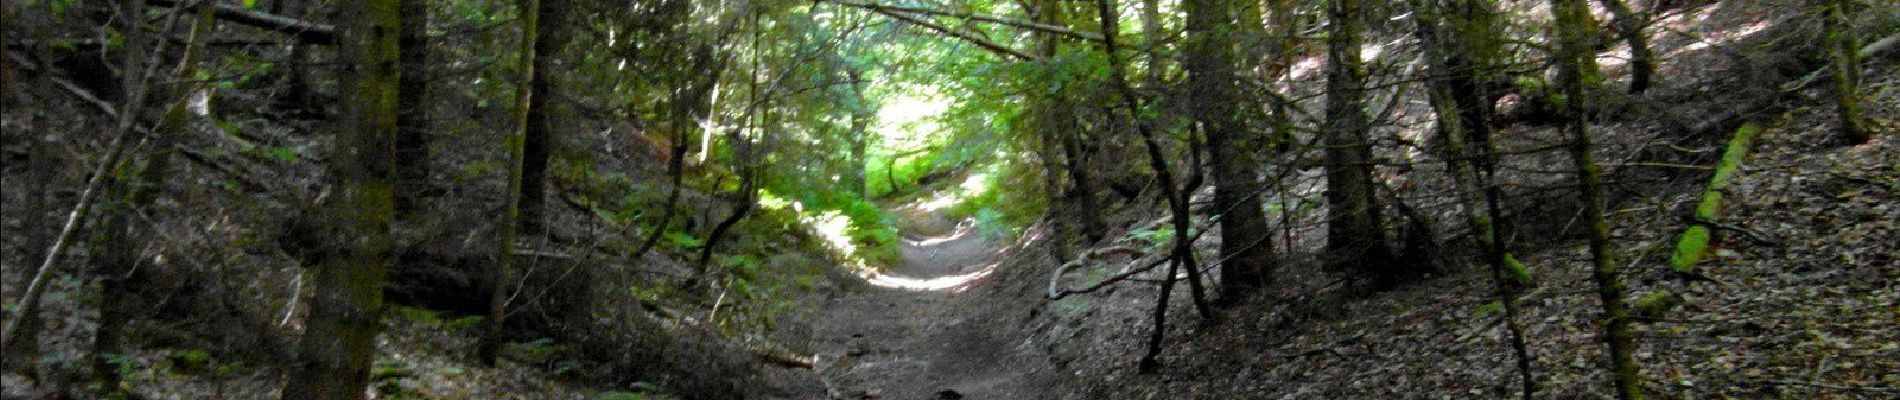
1850, 388
304, 31
1693, 244
784, 360
1057, 292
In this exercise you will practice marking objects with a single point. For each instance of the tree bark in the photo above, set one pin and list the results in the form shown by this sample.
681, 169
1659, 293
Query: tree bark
1630, 25
345, 310
118, 269
535, 151
1246, 245
412, 118
22, 335
1575, 68
860, 135
1055, 118
1446, 46
1843, 47
1183, 252
1355, 237
502, 266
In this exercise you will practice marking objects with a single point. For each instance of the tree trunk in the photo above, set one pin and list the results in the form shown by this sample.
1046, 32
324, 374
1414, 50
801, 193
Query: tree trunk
1183, 252
502, 266
1055, 118
412, 108
118, 269
22, 335
535, 151
1843, 46
345, 309
746, 156
1446, 48
861, 118
1575, 67
1245, 240
1355, 237
1630, 25
687, 111
1279, 63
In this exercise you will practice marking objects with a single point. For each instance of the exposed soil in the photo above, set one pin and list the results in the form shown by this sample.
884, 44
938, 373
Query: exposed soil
926, 329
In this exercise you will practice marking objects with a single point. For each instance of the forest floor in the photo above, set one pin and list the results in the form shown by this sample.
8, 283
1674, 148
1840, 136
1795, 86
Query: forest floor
923, 330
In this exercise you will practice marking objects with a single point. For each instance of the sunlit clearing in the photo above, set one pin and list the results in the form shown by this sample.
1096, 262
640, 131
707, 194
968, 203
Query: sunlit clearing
963, 229
1306, 67
1370, 53
975, 184
834, 228
907, 121
1687, 21
1614, 58
953, 283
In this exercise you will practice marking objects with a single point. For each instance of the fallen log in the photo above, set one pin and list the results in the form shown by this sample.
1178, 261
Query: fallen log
1693, 244
304, 31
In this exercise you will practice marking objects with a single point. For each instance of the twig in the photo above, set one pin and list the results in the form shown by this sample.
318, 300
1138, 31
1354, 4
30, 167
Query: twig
1851, 388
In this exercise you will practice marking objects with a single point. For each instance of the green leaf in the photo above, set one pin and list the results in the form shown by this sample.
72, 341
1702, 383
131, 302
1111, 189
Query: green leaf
282, 154
683, 240
1518, 271
1487, 309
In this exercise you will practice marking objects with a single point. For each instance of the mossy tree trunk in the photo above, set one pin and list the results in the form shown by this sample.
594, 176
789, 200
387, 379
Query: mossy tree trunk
1448, 49
118, 270
1693, 244
346, 306
538, 141
1246, 243
1576, 79
502, 266
1843, 47
1284, 22
1355, 237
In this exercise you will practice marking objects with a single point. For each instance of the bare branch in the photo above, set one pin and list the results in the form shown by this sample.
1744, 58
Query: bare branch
1034, 26
304, 31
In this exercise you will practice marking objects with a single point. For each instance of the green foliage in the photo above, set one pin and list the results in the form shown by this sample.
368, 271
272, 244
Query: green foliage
874, 232
1001, 207
434, 319
541, 351
1487, 309
191, 361
684, 240
1518, 272
387, 375
1155, 238
638, 391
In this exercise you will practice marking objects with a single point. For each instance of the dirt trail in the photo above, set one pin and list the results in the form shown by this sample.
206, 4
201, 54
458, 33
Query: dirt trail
921, 332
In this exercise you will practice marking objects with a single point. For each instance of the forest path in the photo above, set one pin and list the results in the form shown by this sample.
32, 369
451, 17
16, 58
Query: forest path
921, 331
